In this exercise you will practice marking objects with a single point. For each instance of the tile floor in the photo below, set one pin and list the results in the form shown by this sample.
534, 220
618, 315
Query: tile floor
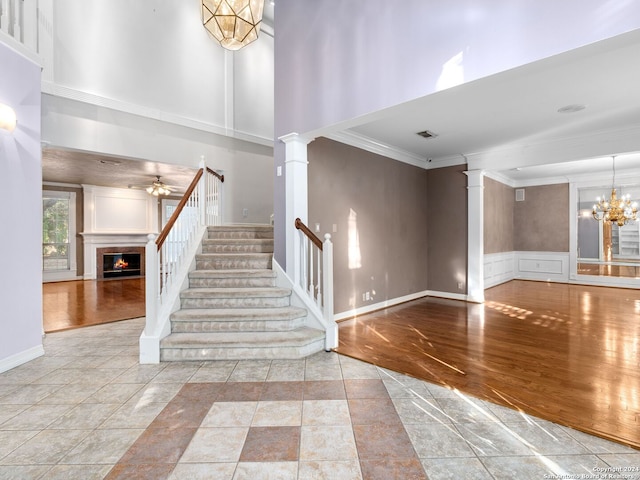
88, 410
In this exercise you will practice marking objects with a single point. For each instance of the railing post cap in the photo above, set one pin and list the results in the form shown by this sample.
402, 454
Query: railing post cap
151, 237
327, 237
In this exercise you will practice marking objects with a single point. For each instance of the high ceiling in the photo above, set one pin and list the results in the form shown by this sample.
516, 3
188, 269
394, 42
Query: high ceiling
514, 114
518, 112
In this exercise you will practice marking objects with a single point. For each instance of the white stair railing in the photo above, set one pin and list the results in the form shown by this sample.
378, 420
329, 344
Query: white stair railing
19, 20
315, 277
169, 256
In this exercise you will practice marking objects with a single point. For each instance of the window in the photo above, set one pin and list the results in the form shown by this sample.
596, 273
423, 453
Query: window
58, 232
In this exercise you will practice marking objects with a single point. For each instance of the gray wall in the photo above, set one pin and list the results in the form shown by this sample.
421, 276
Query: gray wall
541, 222
387, 204
411, 223
499, 200
447, 218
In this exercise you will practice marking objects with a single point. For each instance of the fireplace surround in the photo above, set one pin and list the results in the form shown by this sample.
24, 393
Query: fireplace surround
118, 261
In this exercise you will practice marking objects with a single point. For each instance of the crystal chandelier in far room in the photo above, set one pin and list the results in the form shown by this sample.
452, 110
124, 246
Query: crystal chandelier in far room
615, 210
233, 23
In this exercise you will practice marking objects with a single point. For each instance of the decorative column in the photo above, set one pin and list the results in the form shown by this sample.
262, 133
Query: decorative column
475, 235
296, 197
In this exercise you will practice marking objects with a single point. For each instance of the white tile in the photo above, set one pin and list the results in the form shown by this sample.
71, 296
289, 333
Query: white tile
327, 443
215, 445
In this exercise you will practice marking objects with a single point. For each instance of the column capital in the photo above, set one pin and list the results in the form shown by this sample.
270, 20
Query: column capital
294, 137
475, 178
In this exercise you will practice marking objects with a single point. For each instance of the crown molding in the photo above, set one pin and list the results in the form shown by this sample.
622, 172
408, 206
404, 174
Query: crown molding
370, 145
56, 90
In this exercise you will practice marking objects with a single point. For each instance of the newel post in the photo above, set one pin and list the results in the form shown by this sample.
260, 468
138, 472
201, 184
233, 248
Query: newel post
202, 193
152, 287
331, 339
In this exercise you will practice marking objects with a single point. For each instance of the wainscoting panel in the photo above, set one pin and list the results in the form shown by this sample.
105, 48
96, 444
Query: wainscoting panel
498, 268
543, 266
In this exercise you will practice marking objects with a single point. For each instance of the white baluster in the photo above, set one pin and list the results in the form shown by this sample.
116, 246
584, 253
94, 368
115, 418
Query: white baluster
319, 279
310, 260
30, 24
17, 23
331, 340
4, 16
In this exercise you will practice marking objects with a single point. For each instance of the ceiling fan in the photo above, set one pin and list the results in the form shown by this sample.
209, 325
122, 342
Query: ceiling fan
157, 188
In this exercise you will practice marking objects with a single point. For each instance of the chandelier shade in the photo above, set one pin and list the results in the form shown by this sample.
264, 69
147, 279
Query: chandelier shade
616, 210
233, 23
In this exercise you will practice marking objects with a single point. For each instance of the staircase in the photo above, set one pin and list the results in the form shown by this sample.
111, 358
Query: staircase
232, 309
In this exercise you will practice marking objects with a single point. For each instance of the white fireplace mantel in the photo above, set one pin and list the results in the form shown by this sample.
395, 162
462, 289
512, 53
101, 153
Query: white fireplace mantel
115, 217
93, 241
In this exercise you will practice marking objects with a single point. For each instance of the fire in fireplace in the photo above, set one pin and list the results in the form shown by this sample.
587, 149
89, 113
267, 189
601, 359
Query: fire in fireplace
118, 264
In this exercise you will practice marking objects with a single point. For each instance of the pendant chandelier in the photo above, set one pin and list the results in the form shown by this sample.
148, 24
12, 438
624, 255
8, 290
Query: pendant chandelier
233, 23
615, 210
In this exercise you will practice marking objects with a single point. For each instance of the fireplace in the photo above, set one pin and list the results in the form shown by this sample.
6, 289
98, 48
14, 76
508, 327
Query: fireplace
117, 262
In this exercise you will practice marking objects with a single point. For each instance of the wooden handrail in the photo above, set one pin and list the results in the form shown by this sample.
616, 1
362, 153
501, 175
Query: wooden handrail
301, 226
174, 217
213, 172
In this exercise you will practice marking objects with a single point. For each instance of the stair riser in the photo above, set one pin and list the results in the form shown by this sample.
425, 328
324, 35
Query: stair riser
231, 282
238, 235
240, 302
244, 326
242, 353
230, 264
237, 248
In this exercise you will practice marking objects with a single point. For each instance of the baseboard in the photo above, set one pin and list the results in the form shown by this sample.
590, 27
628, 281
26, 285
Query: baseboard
21, 358
379, 306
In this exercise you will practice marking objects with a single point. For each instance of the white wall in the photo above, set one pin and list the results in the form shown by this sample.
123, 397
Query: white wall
154, 58
20, 217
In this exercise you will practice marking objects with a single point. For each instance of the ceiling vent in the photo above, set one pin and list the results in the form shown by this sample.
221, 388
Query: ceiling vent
427, 134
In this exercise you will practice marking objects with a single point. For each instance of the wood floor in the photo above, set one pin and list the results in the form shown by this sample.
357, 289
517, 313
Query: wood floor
566, 353
90, 302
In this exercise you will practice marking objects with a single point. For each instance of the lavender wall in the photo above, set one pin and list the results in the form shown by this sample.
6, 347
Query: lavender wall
337, 59
21, 234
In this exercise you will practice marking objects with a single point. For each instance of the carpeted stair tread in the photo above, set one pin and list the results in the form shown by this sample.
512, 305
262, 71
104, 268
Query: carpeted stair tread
232, 273
226, 292
238, 314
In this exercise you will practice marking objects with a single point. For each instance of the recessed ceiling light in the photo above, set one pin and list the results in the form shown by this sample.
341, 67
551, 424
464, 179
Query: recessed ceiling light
573, 108
427, 134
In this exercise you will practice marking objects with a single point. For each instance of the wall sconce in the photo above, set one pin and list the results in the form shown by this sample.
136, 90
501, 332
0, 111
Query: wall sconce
8, 118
